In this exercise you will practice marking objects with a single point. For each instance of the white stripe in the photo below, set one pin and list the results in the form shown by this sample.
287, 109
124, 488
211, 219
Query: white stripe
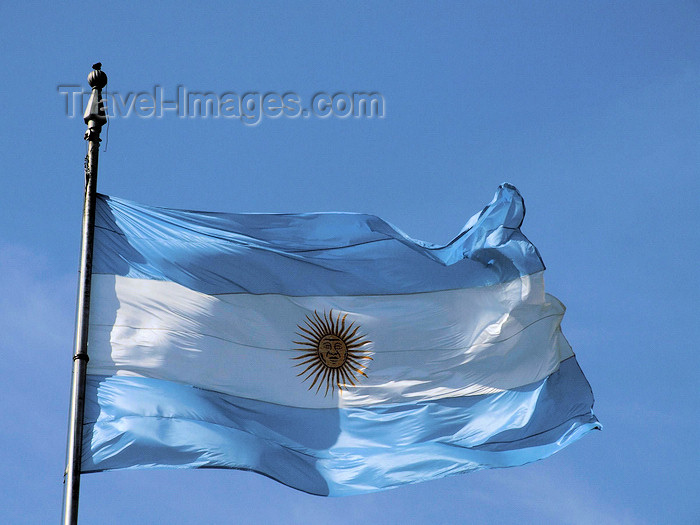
425, 346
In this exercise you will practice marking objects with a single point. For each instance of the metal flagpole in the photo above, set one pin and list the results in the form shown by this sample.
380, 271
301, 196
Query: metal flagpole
94, 118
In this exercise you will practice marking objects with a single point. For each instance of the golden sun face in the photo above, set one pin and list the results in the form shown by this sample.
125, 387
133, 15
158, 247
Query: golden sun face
331, 352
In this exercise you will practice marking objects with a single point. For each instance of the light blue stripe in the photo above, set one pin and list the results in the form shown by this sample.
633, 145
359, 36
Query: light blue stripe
140, 422
326, 253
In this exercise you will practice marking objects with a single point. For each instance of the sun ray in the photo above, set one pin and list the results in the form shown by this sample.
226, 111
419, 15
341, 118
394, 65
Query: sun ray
354, 345
327, 324
315, 372
358, 346
352, 338
331, 323
341, 327
308, 365
311, 337
338, 379
356, 369
303, 343
322, 323
324, 377
314, 326
318, 322
355, 353
311, 328
310, 371
351, 335
330, 381
307, 355
362, 372
319, 375
346, 376
306, 361
356, 361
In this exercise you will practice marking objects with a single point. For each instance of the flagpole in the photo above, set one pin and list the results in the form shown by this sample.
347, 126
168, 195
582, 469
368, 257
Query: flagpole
94, 118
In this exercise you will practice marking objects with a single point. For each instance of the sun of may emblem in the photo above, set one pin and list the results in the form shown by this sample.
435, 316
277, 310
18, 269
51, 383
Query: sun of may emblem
331, 352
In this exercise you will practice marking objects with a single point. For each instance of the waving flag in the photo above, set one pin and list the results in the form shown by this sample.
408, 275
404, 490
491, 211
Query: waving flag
328, 351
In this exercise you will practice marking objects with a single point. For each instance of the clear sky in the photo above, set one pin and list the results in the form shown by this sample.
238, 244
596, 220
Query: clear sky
591, 109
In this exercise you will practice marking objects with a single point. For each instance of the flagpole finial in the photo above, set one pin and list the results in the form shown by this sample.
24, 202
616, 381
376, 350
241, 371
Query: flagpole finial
95, 116
97, 78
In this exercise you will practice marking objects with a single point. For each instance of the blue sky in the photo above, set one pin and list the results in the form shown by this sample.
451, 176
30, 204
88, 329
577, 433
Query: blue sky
590, 109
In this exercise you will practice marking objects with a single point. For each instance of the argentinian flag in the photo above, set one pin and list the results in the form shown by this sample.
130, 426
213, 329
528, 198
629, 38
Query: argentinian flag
328, 351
